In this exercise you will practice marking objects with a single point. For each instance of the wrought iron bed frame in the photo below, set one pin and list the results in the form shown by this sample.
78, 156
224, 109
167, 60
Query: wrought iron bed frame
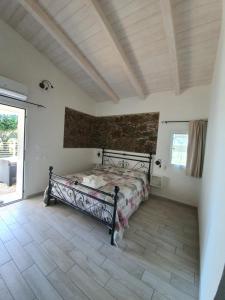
77, 196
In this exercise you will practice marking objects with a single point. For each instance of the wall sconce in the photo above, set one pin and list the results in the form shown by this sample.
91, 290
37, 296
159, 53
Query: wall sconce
45, 85
158, 163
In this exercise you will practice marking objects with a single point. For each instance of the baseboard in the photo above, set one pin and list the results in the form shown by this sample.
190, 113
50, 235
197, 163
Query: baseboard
33, 195
172, 200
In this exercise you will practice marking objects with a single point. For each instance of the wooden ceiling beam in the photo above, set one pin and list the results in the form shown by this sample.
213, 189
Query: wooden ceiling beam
69, 46
117, 47
168, 22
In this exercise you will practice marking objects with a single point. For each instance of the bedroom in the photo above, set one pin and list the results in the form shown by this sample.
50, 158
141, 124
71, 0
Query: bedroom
115, 61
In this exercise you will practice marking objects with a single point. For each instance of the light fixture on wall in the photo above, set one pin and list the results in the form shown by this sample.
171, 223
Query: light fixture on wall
45, 85
158, 163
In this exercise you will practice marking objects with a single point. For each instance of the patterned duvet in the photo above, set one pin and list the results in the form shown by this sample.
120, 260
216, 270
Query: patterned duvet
134, 188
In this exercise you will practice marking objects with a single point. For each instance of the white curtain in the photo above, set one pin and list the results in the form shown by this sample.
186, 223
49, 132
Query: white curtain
196, 147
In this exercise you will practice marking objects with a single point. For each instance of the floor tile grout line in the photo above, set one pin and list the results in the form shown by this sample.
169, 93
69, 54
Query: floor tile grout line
18, 272
7, 286
43, 276
96, 249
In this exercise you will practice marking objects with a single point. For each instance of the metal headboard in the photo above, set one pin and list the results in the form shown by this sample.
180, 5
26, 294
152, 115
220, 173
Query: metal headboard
122, 159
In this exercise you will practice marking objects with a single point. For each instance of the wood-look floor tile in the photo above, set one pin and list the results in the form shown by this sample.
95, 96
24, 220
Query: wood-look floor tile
65, 287
88, 237
120, 291
15, 282
169, 266
34, 233
150, 265
88, 250
7, 217
4, 292
156, 240
20, 234
197, 280
184, 263
81, 221
158, 296
19, 216
21, 258
132, 246
38, 222
40, 285
60, 258
90, 267
174, 242
135, 285
191, 251
57, 238
40, 257
188, 256
101, 233
158, 258
4, 255
119, 257
184, 286
88, 285
60, 225
141, 241
167, 234
5, 233
164, 287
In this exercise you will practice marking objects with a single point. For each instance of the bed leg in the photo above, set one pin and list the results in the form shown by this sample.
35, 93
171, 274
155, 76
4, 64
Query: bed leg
116, 191
49, 186
149, 167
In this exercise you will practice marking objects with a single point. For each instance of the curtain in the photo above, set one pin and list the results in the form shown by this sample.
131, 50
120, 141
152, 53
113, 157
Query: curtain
196, 147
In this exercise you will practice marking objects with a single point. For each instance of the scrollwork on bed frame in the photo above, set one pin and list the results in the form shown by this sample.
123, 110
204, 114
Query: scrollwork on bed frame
124, 159
101, 210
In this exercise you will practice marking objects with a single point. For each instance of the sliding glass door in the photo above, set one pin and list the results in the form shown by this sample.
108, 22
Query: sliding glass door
12, 135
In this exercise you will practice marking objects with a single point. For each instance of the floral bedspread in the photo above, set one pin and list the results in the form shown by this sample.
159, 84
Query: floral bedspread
134, 188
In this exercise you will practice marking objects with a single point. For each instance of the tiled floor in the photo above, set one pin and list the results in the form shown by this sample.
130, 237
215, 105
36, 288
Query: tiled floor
57, 253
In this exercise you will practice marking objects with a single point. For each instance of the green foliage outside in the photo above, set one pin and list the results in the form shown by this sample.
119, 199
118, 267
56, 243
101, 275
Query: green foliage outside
8, 130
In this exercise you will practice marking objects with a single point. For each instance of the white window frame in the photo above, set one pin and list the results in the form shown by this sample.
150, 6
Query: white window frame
171, 148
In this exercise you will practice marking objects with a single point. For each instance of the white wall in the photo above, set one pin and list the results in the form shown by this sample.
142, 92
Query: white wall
212, 204
20, 61
192, 104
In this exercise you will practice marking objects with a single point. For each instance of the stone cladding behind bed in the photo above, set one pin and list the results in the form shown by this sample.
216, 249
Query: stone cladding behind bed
136, 132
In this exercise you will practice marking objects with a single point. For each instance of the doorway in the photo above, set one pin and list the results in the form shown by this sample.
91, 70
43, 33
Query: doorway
12, 130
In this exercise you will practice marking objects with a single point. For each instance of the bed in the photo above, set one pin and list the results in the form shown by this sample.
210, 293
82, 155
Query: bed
126, 183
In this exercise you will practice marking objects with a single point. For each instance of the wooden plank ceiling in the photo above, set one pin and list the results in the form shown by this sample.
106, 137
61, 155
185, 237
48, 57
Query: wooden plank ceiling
134, 47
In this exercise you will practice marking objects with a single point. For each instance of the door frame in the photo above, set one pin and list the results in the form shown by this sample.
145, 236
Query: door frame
24, 144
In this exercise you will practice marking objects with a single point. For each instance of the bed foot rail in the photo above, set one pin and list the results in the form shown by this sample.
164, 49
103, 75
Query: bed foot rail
116, 191
49, 186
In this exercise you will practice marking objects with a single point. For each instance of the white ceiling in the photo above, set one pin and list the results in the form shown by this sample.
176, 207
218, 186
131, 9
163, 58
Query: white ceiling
140, 30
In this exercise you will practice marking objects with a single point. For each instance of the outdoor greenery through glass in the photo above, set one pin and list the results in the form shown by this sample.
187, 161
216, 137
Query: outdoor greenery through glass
8, 135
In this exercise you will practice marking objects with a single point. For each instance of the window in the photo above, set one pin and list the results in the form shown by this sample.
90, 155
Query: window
179, 149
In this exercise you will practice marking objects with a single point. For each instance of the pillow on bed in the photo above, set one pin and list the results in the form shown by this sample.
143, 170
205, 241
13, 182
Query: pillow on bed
122, 171
107, 167
94, 181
